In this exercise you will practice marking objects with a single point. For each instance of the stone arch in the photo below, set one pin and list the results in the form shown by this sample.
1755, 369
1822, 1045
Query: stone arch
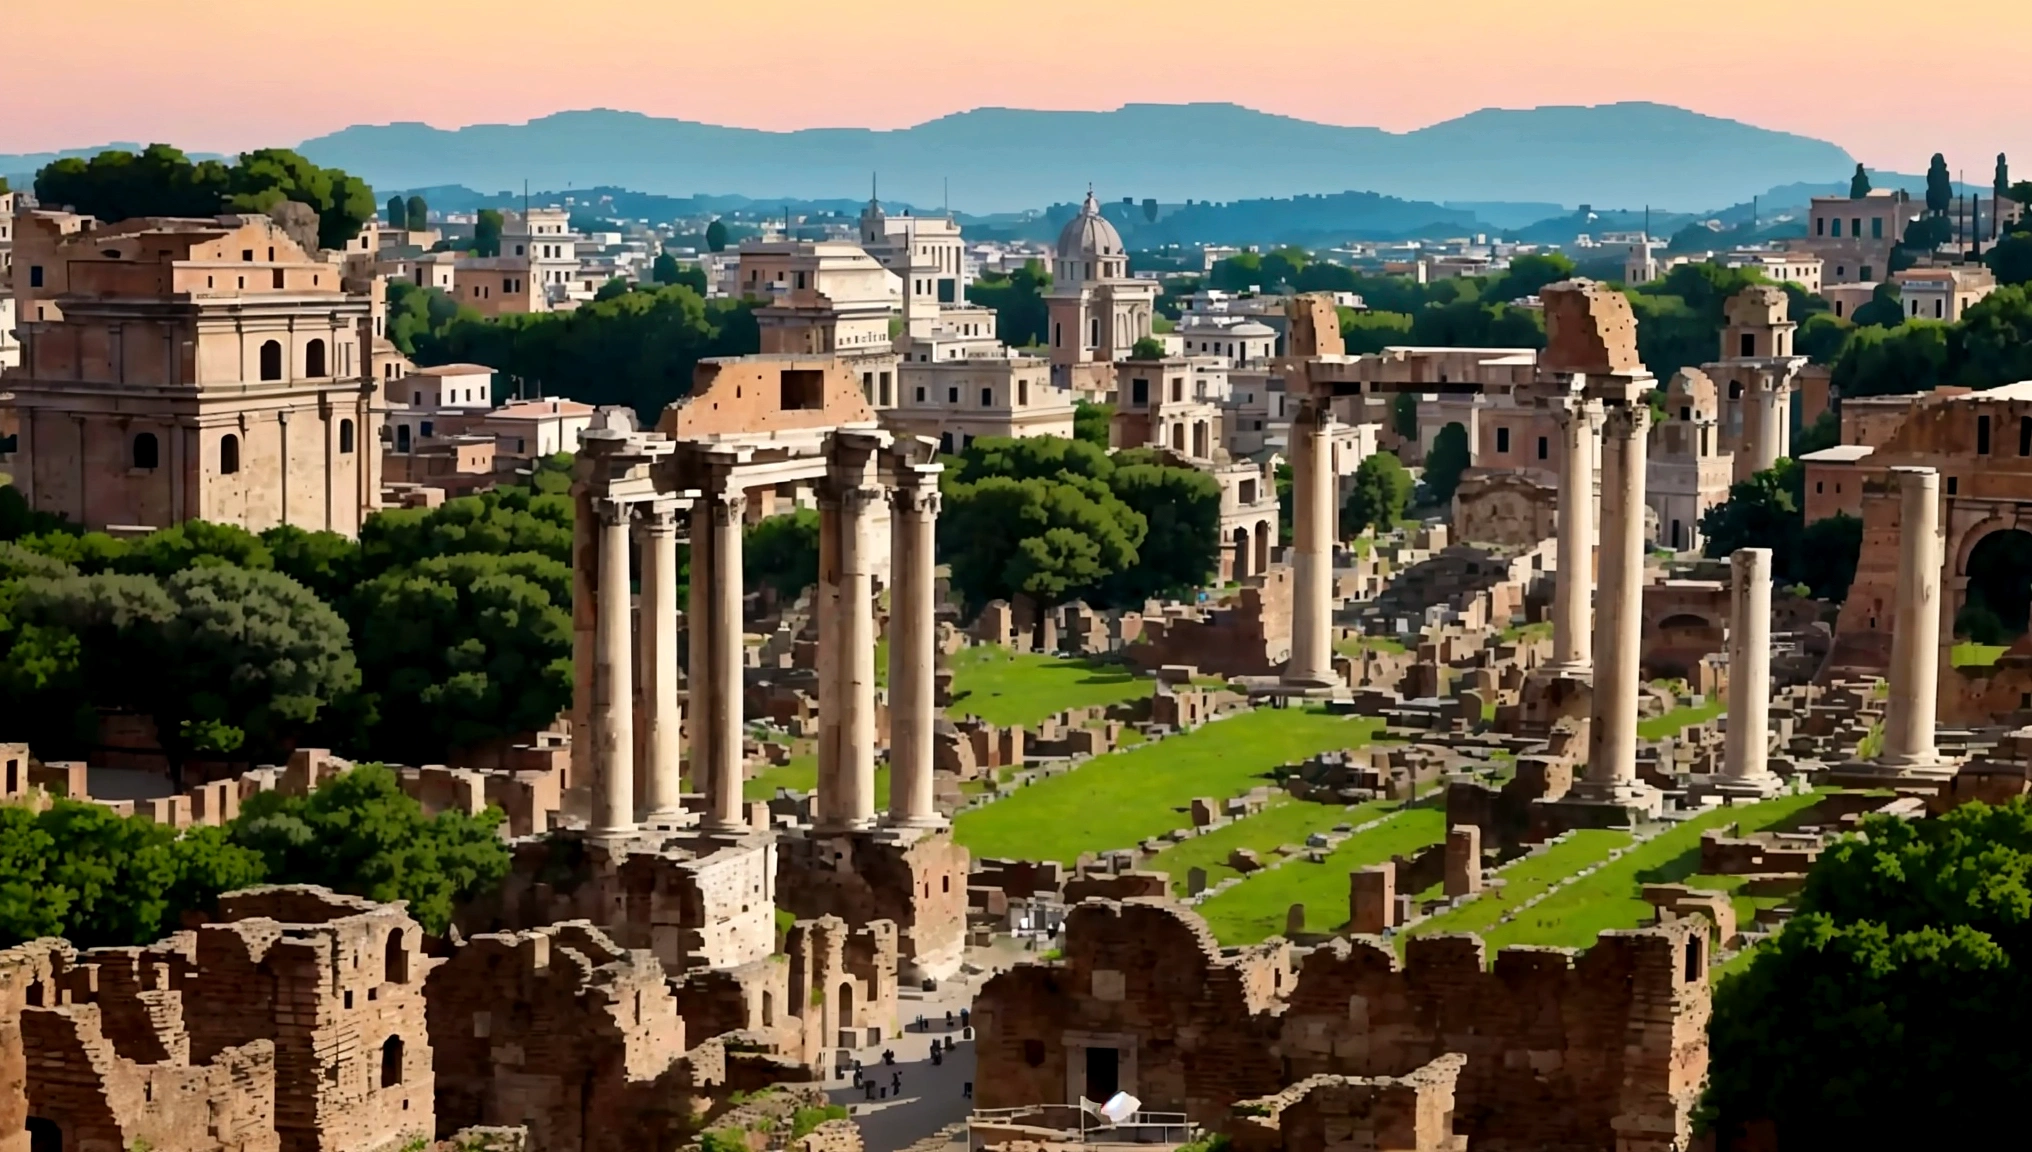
1997, 576
345, 437
1243, 551
229, 454
314, 359
391, 1062
395, 959
271, 360
44, 1135
147, 450
846, 1003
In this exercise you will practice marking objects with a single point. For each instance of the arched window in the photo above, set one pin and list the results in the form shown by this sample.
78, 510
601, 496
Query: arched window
314, 359
345, 437
271, 360
229, 454
146, 451
391, 1062
395, 963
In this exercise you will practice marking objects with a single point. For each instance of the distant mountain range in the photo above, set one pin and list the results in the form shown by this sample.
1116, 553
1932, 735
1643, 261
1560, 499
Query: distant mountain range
1003, 159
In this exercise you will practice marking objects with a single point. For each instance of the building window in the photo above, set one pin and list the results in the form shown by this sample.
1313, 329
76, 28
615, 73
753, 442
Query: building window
920, 394
1982, 435
402, 437
1938, 307
987, 397
1837, 226
314, 359
1856, 227
2025, 435
146, 452
1863, 273
1502, 439
952, 396
395, 960
423, 429
1749, 344
1022, 393
345, 437
1820, 227
229, 454
246, 255
1876, 227
391, 1062
1544, 448
35, 275
1951, 485
271, 360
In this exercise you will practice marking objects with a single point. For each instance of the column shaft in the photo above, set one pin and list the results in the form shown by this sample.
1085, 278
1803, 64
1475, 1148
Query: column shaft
1312, 532
1612, 726
716, 600
912, 649
1912, 710
613, 681
1573, 594
664, 779
1747, 751
855, 656
585, 560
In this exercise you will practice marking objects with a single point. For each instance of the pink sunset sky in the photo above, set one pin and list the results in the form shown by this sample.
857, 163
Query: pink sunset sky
1880, 79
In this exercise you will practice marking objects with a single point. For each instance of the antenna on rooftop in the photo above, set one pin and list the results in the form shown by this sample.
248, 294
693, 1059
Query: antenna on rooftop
948, 199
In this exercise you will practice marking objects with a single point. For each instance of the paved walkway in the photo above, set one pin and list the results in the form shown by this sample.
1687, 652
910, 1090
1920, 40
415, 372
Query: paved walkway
932, 1096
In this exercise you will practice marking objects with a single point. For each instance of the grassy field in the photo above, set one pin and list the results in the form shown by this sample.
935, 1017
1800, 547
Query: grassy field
802, 774
1004, 687
1684, 716
1525, 879
1284, 821
1255, 909
1356, 645
1576, 914
1969, 654
1118, 800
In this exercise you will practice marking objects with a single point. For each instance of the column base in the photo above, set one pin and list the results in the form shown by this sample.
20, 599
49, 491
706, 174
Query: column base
1761, 786
843, 827
614, 834
1930, 771
1592, 805
671, 819
1310, 680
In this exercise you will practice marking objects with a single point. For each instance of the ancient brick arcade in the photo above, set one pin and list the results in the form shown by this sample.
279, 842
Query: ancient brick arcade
1601, 1050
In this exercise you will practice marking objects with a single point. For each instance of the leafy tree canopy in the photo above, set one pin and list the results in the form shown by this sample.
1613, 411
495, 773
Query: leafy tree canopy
162, 181
1446, 461
1381, 492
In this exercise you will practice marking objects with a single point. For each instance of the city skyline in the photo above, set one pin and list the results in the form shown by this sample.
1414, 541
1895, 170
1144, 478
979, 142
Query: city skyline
1372, 67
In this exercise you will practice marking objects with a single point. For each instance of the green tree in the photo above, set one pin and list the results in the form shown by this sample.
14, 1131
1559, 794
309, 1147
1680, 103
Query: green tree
1404, 415
2010, 259
1828, 551
325, 562
119, 185
782, 552
487, 233
1822, 337
1527, 275
1365, 331
615, 286
359, 834
1035, 517
665, 270
1446, 460
265, 177
1939, 186
716, 236
1150, 210
396, 213
464, 648
416, 214
1147, 348
1090, 422
1021, 317
1182, 510
1382, 491
1859, 184
496, 522
193, 544
1883, 310
1902, 977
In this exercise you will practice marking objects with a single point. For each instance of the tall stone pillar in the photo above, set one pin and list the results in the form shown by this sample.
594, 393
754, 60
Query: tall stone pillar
585, 561
1746, 753
613, 681
716, 656
663, 802
1573, 597
1913, 708
1764, 419
846, 795
1312, 531
913, 655
1619, 608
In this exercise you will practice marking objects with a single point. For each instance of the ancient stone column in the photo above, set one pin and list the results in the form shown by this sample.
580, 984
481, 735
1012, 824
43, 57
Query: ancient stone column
847, 630
613, 680
716, 681
913, 657
585, 560
1764, 422
1747, 750
1312, 533
1573, 595
1915, 641
1619, 603
663, 779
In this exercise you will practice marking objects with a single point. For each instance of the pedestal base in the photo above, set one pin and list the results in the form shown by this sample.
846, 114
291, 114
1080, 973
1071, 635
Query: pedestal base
1589, 805
1760, 787
1931, 772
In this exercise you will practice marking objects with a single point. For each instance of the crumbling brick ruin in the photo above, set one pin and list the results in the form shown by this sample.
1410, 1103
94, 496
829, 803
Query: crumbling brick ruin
1601, 1049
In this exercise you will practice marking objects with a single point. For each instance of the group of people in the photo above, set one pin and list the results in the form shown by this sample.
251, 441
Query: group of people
939, 1048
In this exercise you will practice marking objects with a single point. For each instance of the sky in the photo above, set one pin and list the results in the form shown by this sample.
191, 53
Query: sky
1881, 78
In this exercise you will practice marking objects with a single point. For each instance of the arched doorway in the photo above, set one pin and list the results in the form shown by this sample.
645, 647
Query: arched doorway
1243, 551
846, 1004
44, 1135
1999, 599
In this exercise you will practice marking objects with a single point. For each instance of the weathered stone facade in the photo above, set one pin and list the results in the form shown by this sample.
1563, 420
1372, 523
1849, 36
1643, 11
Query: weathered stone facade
1604, 1049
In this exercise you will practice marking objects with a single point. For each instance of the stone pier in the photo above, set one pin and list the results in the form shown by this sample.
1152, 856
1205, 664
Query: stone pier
613, 680
846, 751
1913, 708
1580, 422
1312, 545
716, 656
1767, 420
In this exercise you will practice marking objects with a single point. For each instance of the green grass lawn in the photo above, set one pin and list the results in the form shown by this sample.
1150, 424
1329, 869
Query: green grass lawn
1969, 654
1525, 879
1576, 914
1004, 687
1283, 821
1125, 797
1254, 910
1684, 716
1540, 630
802, 774
1356, 645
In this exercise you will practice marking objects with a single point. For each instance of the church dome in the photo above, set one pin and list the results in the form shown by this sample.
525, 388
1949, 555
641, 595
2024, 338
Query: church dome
1089, 236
